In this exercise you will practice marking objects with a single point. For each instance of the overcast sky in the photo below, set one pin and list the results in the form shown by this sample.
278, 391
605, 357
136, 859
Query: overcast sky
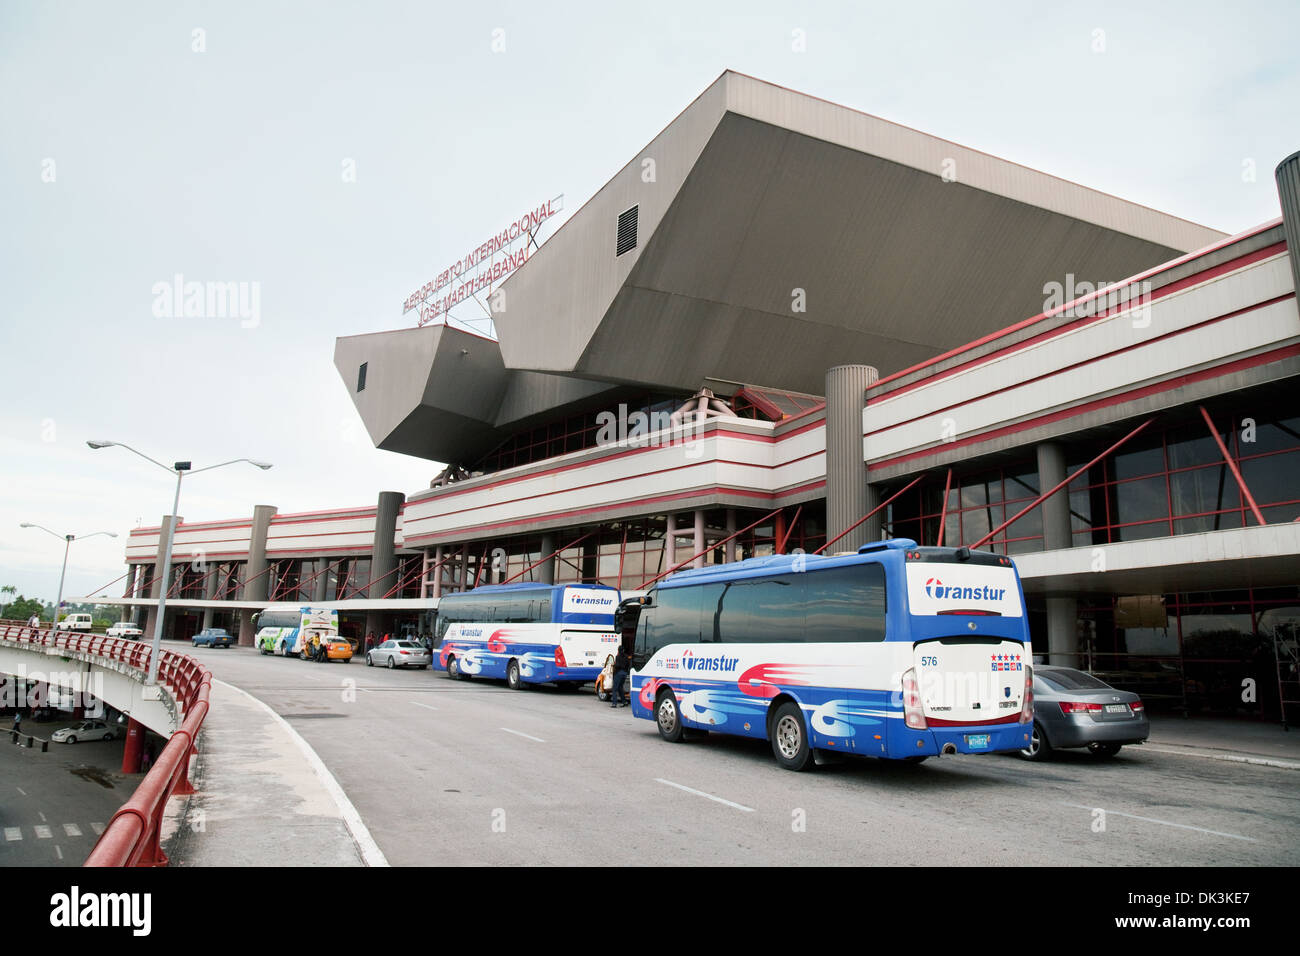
128, 156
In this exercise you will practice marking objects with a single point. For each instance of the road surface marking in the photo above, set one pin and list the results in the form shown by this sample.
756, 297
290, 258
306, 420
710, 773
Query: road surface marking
21, 790
59, 850
518, 734
707, 796
42, 832
1233, 758
98, 828
1167, 823
72, 830
425, 706
42, 816
371, 855
12, 834
309, 677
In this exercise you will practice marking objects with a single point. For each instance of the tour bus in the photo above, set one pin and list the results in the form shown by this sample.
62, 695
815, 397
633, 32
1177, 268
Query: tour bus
896, 651
285, 629
528, 633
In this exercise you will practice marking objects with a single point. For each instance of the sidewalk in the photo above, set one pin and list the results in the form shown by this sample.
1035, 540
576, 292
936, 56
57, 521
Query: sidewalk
264, 798
1249, 741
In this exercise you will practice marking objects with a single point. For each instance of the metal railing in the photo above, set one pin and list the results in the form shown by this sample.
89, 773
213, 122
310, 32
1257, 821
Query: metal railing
132, 837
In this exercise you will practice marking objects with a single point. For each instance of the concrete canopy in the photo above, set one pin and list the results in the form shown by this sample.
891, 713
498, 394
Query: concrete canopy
756, 191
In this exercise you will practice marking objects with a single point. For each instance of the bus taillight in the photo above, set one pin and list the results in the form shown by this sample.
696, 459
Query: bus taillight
559, 656
913, 715
1027, 709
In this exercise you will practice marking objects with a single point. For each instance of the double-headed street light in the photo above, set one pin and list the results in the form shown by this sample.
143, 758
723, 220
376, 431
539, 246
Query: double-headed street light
67, 543
178, 469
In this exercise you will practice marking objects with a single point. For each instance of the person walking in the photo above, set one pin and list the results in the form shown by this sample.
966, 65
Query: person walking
621, 666
370, 642
35, 622
18, 721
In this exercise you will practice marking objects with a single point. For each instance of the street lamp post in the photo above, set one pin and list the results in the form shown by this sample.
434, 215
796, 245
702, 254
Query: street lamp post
67, 543
179, 469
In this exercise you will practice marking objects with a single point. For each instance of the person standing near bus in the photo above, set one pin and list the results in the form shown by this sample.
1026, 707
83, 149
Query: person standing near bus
621, 665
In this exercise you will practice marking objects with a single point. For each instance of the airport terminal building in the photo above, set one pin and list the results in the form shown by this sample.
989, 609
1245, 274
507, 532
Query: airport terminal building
788, 324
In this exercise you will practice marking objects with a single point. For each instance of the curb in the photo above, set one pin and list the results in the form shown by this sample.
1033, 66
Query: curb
1188, 750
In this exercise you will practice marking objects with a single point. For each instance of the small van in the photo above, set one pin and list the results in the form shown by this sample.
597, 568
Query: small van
76, 622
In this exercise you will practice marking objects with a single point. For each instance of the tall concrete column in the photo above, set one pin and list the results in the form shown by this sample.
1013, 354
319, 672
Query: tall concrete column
1062, 639
731, 551
699, 539
129, 611
383, 557
437, 574
546, 570
873, 527
591, 561
255, 573
1287, 177
156, 588
847, 498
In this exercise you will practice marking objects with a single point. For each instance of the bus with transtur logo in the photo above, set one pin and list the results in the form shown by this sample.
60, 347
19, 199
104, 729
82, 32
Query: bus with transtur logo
528, 633
896, 651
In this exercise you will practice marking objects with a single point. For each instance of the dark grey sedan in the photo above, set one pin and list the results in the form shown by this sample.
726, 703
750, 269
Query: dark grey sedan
1074, 709
398, 654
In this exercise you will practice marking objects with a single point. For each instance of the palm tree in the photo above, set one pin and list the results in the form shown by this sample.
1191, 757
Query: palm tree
9, 591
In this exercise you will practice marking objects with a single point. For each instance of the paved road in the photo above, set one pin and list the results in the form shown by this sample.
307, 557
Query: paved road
450, 772
54, 805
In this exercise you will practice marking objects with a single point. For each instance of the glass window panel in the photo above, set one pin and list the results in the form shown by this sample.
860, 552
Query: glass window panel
763, 610
1139, 532
1141, 500
846, 604
1080, 510
1202, 490
1217, 522
1273, 479
1132, 462
1270, 436
1192, 446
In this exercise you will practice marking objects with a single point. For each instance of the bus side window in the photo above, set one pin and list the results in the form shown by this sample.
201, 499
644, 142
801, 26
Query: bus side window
544, 615
642, 651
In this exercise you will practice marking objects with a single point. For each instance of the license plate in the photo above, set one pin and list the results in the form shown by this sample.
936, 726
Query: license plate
976, 741
1117, 708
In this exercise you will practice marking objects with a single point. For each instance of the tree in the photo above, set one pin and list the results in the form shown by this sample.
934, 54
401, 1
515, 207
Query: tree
6, 592
23, 608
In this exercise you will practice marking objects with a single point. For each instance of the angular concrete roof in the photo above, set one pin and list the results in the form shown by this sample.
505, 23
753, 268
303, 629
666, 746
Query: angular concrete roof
756, 191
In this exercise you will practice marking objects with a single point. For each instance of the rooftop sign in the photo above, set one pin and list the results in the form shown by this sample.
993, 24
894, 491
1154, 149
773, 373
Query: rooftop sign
482, 266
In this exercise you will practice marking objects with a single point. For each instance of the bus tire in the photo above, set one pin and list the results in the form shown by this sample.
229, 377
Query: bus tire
512, 676
790, 738
668, 716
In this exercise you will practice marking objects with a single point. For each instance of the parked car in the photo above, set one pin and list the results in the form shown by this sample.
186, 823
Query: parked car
399, 654
1074, 709
76, 622
125, 629
336, 648
213, 637
86, 730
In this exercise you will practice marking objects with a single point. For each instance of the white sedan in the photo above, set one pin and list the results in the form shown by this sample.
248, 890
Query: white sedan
124, 629
86, 730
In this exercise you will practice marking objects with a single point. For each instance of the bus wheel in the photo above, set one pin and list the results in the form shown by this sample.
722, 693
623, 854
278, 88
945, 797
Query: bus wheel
512, 676
790, 738
668, 717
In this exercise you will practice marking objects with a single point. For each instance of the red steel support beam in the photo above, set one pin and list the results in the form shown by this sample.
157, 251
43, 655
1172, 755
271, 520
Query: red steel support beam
1068, 478
785, 538
879, 507
1232, 466
943, 513
572, 544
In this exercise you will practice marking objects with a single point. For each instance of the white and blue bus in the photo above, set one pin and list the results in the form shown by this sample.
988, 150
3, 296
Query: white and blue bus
284, 629
528, 633
897, 651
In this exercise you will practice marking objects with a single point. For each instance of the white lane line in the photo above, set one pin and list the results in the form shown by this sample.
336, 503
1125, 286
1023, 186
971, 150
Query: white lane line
42, 832
309, 677
371, 855
98, 828
707, 796
21, 790
72, 830
12, 834
1167, 823
425, 706
42, 816
518, 734
59, 850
